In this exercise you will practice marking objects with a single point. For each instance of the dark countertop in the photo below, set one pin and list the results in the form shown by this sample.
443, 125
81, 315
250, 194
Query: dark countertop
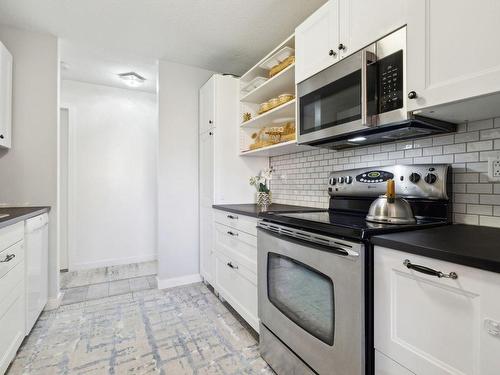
254, 210
17, 214
469, 245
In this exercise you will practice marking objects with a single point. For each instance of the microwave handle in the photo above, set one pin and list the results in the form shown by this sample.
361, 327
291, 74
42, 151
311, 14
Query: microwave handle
365, 119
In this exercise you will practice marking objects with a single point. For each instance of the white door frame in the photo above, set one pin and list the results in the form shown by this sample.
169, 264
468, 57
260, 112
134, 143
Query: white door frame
71, 183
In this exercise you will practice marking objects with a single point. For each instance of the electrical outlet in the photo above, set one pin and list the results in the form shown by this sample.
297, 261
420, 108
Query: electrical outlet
494, 169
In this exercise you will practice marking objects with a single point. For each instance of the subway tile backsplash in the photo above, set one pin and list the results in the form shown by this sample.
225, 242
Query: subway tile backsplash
302, 178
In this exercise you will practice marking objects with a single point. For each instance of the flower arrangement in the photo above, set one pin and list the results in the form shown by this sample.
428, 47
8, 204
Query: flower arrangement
261, 183
262, 180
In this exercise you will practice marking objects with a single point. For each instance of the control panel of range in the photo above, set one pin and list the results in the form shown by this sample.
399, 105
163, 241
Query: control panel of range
412, 181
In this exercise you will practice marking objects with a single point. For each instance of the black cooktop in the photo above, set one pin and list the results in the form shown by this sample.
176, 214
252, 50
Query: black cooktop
345, 224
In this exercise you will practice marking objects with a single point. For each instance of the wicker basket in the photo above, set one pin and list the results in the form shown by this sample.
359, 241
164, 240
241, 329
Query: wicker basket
281, 66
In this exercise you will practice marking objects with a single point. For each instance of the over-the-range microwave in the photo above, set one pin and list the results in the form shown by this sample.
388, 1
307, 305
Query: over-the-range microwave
362, 100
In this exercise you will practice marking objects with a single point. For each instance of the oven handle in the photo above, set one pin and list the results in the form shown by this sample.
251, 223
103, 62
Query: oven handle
304, 237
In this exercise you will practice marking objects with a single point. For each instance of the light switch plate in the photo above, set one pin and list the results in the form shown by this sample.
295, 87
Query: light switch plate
494, 169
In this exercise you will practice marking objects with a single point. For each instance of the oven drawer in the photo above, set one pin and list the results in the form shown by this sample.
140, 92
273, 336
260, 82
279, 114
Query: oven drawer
246, 224
238, 245
238, 286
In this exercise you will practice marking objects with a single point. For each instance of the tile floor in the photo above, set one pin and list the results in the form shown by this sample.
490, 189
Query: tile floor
178, 331
79, 286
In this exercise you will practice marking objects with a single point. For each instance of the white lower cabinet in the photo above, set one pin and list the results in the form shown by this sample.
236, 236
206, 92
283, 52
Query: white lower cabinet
434, 326
12, 293
236, 263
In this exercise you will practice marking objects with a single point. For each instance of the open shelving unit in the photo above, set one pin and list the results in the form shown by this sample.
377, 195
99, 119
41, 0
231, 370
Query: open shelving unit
281, 83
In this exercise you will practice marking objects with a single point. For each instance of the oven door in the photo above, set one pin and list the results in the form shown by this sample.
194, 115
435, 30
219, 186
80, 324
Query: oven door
311, 296
335, 101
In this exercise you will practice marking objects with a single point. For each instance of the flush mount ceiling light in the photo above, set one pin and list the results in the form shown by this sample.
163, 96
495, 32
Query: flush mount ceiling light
357, 139
132, 79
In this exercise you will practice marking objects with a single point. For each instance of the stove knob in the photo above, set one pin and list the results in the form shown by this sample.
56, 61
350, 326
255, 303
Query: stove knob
333, 181
348, 179
414, 177
430, 178
341, 180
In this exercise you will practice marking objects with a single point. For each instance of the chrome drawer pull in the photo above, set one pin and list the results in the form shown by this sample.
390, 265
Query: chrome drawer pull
232, 217
8, 258
232, 233
232, 266
429, 271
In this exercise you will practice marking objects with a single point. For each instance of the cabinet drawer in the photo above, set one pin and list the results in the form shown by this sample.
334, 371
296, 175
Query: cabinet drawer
246, 224
386, 366
436, 326
238, 245
237, 288
11, 257
10, 235
8, 285
12, 328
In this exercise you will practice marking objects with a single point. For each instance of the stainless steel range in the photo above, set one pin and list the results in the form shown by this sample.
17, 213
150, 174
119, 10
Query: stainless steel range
315, 269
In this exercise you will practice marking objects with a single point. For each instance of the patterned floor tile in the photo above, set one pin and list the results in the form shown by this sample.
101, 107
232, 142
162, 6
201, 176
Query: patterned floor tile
184, 330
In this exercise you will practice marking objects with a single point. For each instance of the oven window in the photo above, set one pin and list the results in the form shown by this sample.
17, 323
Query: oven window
303, 294
334, 104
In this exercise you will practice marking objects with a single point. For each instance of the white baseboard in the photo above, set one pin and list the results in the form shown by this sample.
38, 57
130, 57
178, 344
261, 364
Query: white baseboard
178, 281
113, 262
53, 303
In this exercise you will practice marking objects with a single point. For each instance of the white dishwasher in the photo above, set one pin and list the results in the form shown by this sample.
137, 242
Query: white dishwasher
37, 264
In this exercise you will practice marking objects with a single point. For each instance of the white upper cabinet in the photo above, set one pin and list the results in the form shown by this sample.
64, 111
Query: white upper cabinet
342, 27
5, 96
363, 22
453, 50
435, 326
316, 41
207, 106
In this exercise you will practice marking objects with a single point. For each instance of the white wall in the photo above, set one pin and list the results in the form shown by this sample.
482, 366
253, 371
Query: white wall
113, 144
178, 252
28, 171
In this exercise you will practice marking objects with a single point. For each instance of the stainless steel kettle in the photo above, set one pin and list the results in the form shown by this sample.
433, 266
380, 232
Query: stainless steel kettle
389, 209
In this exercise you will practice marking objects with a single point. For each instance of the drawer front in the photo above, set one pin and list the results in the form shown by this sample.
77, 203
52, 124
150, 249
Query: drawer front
8, 286
11, 257
238, 245
386, 366
12, 328
237, 289
416, 313
10, 235
244, 223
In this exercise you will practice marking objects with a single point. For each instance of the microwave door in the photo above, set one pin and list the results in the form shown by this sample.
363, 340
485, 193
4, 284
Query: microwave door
334, 102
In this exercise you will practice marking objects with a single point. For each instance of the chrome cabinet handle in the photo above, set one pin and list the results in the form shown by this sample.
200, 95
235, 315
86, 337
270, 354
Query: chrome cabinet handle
232, 233
8, 258
429, 271
232, 217
229, 264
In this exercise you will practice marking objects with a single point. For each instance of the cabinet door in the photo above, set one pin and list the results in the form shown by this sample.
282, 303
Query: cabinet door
451, 53
207, 105
316, 41
207, 257
364, 22
436, 326
206, 193
5, 96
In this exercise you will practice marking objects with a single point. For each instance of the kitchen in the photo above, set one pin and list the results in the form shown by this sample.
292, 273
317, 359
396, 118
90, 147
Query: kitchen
319, 198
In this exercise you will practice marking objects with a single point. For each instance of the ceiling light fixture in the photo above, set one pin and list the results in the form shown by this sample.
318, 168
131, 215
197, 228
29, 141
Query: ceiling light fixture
132, 79
357, 139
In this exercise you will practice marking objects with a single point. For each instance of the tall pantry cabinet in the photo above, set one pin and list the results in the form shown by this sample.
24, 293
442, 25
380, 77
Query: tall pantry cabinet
223, 174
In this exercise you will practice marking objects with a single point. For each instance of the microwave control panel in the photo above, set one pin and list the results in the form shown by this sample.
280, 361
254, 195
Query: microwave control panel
391, 82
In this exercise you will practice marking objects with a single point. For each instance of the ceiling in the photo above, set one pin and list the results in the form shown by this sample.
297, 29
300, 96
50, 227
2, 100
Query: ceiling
103, 36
